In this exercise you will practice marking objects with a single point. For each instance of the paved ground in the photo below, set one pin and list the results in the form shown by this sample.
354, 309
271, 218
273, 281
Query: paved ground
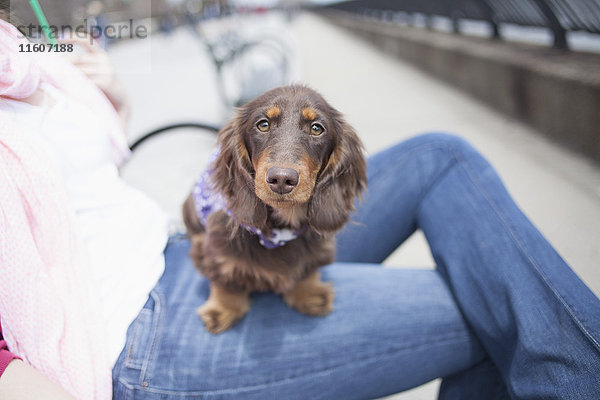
171, 79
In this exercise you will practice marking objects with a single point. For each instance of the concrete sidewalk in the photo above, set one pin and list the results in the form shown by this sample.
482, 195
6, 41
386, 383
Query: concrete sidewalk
386, 100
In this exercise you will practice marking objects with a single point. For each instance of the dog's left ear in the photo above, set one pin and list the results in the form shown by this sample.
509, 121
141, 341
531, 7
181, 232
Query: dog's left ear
342, 179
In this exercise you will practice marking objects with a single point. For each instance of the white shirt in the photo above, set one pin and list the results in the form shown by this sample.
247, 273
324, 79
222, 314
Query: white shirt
123, 230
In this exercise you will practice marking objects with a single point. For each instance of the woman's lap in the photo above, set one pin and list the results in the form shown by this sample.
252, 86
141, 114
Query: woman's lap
390, 330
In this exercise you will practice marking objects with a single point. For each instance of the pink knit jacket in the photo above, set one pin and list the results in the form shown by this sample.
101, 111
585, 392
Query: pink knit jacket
47, 307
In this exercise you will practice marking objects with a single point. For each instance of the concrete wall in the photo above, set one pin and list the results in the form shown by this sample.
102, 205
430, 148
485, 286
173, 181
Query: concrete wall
557, 92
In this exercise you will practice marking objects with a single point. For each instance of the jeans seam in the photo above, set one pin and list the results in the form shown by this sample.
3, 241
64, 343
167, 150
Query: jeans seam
460, 160
327, 370
151, 354
440, 175
131, 361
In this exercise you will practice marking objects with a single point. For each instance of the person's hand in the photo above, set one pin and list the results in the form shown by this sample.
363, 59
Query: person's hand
93, 61
23, 382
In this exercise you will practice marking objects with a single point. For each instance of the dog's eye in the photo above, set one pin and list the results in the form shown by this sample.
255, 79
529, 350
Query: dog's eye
316, 129
263, 125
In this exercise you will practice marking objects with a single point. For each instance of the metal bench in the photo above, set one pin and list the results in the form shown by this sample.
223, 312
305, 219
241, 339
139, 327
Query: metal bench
559, 16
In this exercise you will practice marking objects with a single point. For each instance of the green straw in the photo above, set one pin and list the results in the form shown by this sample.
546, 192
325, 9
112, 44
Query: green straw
37, 9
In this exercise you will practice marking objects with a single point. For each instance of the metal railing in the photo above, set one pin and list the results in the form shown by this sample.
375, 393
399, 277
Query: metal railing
559, 16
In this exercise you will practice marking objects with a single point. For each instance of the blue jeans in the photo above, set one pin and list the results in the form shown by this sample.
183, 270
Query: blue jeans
502, 315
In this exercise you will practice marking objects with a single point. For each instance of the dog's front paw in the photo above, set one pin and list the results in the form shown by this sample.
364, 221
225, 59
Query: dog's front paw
312, 298
218, 318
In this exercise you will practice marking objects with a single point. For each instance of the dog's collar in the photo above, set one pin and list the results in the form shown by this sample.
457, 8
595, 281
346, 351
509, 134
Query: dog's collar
208, 200
277, 237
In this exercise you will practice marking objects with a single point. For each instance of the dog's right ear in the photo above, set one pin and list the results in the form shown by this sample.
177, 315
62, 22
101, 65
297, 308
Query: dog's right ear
233, 176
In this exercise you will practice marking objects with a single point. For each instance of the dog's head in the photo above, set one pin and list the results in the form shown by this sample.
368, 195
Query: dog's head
288, 149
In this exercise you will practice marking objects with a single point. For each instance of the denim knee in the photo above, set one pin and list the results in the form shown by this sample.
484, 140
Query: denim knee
453, 147
449, 141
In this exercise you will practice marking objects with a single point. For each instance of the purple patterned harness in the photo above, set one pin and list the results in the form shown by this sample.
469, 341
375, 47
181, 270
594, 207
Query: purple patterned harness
208, 200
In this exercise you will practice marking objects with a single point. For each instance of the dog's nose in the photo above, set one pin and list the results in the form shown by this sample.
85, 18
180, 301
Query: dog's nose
282, 180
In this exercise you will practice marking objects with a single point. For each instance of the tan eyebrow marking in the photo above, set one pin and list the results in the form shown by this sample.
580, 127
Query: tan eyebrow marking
273, 112
309, 114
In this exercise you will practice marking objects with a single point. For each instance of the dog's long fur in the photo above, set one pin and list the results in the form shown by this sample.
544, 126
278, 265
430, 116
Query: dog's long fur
332, 173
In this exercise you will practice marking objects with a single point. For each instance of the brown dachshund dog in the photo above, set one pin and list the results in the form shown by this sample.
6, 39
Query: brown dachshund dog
264, 214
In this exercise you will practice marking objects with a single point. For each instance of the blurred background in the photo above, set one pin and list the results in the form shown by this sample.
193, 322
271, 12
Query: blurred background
520, 79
